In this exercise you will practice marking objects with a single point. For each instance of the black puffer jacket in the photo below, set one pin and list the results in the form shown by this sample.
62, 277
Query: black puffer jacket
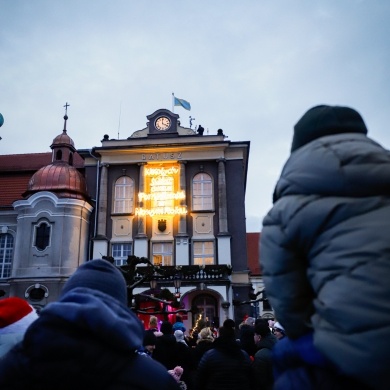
87, 340
225, 367
325, 252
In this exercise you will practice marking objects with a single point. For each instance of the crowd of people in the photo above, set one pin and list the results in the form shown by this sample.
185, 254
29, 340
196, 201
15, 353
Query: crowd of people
325, 247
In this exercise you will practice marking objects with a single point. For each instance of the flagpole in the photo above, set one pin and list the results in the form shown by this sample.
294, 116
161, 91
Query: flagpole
173, 102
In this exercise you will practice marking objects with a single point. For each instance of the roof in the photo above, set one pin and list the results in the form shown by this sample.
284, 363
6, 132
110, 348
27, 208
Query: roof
16, 171
253, 248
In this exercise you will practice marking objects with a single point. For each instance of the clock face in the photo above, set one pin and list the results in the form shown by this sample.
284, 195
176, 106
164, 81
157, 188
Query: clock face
162, 123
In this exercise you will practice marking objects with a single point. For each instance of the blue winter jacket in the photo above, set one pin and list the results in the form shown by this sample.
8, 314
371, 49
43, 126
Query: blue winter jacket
86, 340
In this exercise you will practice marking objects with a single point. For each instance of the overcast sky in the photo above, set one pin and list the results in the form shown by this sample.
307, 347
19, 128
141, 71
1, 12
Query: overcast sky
249, 67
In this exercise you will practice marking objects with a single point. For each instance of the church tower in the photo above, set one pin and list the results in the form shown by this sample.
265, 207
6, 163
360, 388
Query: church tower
52, 226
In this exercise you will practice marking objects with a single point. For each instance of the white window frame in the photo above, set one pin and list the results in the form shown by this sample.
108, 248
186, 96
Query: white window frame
203, 252
120, 251
124, 195
6, 254
162, 253
202, 192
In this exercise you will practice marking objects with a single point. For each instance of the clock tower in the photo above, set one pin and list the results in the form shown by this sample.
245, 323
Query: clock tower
162, 122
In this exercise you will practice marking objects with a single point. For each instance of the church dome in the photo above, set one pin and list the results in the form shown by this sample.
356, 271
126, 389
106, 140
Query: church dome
63, 140
60, 178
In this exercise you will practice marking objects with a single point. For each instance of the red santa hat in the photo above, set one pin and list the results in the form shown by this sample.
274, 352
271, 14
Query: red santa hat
15, 312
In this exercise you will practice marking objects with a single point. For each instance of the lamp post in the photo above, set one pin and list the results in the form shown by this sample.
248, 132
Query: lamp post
177, 284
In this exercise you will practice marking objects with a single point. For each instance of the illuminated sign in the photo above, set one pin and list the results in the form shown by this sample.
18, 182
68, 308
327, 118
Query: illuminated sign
162, 194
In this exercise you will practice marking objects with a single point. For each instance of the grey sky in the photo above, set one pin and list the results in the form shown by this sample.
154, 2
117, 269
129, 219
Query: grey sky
249, 67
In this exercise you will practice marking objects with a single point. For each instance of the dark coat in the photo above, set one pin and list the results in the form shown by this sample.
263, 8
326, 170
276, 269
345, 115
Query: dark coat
247, 339
225, 367
325, 252
165, 351
262, 362
202, 346
86, 340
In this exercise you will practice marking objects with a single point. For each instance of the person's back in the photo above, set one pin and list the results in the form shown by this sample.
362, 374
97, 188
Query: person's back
262, 363
225, 366
165, 351
325, 246
88, 339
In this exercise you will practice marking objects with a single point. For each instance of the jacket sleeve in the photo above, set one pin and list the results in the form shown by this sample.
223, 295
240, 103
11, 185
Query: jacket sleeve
284, 241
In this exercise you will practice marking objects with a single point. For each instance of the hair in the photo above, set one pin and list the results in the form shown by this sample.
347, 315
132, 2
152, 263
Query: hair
179, 318
205, 334
262, 327
153, 321
166, 327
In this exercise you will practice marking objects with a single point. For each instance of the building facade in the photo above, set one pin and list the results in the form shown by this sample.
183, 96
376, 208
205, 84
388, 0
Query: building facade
166, 193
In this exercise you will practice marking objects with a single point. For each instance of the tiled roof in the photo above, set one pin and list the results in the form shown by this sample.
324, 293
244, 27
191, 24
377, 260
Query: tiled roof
253, 248
17, 169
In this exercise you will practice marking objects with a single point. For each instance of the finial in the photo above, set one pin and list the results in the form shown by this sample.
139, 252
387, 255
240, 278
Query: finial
66, 115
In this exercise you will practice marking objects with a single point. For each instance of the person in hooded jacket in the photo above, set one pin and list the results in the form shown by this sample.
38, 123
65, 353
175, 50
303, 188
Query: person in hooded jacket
88, 339
325, 252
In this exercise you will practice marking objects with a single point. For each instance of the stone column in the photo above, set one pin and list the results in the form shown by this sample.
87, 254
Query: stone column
102, 209
223, 222
182, 228
141, 218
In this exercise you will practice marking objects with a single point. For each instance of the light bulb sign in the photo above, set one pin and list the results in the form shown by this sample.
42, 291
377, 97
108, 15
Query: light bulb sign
162, 195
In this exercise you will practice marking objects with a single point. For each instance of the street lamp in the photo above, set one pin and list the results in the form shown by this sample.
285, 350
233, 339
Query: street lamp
177, 284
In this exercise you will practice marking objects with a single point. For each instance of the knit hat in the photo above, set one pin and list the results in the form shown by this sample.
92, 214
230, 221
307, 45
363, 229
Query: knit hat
15, 315
99, 275
325, 120
149, 338
176, 373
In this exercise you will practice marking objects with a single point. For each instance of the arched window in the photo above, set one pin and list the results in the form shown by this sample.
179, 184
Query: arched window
42, 236
202, 192
124, 195
59, 155
6, 254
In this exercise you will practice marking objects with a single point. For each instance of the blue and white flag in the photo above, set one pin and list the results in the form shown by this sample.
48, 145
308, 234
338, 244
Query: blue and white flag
183, 103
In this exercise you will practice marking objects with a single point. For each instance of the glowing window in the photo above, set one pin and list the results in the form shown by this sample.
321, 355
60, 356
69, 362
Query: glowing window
162, 253
120, 253
203, 252
202, 192
6, 253
124, 195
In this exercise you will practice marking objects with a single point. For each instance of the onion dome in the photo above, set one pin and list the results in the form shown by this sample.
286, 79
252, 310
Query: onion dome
60, 177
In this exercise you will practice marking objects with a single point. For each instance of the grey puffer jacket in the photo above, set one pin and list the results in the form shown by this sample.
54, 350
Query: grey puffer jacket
325, 252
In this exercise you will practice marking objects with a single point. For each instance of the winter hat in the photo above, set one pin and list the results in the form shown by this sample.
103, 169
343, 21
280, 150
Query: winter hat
250, 321
15, 315
99, 275
325, 120
149, 338
176, 373
166, 327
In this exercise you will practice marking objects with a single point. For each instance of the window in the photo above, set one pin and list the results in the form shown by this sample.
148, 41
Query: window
120, 253
162, 253
124, 195
6, 253
203, 252
202, 192
42, 236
